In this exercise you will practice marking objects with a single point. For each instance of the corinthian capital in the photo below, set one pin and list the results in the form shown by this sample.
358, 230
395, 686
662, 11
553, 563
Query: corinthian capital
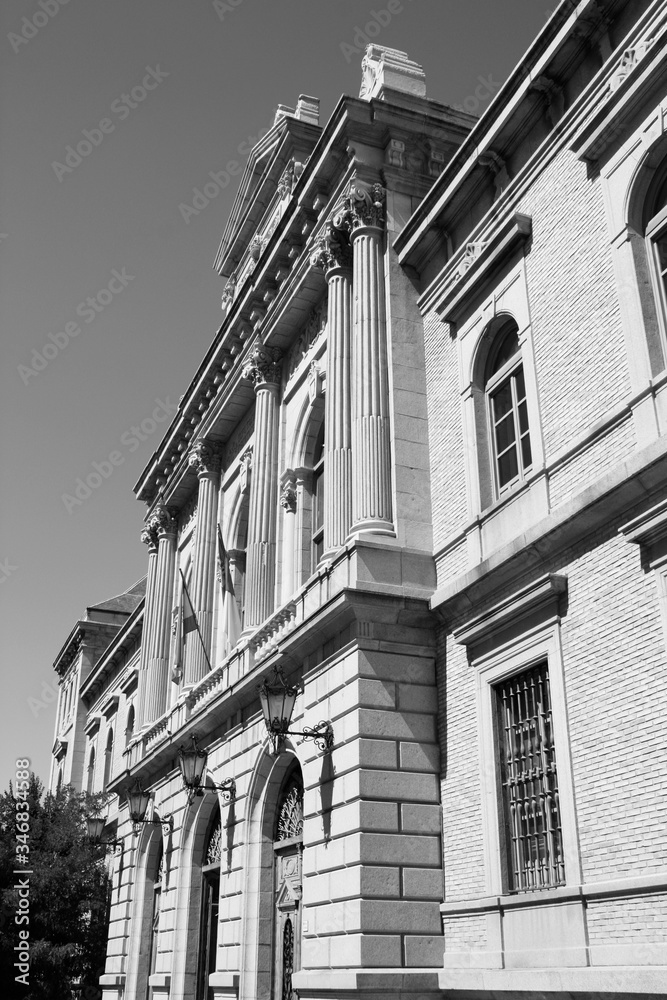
149, 538
363, 206
332, 249
163, 521
263, 365
204, 457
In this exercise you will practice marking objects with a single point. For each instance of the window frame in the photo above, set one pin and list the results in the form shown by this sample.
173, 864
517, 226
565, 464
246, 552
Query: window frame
493, 383
317, 499
655, 229
538, 645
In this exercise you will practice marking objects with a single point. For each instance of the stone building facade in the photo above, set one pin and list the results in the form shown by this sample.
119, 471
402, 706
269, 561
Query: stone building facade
422, 470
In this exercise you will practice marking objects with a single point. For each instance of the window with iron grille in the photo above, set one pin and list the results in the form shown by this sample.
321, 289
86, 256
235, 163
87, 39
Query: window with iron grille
529, 782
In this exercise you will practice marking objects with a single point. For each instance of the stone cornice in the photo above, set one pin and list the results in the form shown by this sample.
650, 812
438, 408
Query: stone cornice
123, 646
557, 50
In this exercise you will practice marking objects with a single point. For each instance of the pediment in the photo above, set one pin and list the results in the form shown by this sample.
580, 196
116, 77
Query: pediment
290, 139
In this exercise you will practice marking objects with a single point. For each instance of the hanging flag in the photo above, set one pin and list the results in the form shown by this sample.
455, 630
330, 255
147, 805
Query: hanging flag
189, 619
230, 618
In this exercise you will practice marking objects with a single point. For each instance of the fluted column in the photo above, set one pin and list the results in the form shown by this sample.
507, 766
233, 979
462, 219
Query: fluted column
334, 256
205, 459
157, 680
149, 538
371, 452
263, 369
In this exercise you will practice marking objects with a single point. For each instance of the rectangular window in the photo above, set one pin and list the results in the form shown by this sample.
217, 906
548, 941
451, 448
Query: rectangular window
510, 430
529, 782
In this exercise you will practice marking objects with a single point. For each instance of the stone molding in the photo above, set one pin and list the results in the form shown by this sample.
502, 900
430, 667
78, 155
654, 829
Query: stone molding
536, 596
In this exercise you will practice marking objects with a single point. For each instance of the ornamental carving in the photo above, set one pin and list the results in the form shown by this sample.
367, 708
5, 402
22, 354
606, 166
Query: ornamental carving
229, 292
286, 181
149, 538
332, 249
290, 816
263, 365
213, 854
629, 60
245, 463
256, 246
288, 497
472, 252
163, 521
363, 206
204, 458
311, 333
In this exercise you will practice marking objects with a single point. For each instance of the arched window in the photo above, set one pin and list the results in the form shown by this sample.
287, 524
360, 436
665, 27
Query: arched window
91, 771
507, 409
288, 851
655, 229
129, 725
108, 760
210, 896
318, 499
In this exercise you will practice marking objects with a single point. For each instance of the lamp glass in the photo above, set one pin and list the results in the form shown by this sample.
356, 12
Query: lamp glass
95, 826
192, 764
138, 802
277, 702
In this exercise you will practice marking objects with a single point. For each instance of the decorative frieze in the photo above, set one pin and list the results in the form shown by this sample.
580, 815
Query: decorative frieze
471, 253
286, 181
229, 292
309, 336
263, 365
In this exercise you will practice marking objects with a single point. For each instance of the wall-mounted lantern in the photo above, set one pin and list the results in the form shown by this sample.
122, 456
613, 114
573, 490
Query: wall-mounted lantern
277, 700
137, 801
95, 823
192, 765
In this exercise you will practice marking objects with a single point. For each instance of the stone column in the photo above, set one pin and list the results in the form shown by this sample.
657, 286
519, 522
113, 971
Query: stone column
288, 503
263, 369
163, 522
334, 256
363, 216
149, 538
205, 458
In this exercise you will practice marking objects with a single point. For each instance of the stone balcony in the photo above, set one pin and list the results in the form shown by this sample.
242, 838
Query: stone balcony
342, 592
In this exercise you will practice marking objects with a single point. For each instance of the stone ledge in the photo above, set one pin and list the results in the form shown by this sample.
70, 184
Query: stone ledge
624, 980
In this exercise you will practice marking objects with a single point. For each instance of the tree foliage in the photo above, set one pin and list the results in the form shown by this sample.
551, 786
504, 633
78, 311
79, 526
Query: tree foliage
69, 892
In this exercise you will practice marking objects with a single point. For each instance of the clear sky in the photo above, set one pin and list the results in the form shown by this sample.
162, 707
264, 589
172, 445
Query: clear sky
201, 78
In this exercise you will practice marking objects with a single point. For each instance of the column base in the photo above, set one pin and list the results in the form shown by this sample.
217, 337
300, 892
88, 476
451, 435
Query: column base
371, 526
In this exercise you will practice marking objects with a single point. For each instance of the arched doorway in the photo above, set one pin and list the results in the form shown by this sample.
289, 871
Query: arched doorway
210, 903
288, 855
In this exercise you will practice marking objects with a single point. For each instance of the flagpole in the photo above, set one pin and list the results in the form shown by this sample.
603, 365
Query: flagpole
194, 615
